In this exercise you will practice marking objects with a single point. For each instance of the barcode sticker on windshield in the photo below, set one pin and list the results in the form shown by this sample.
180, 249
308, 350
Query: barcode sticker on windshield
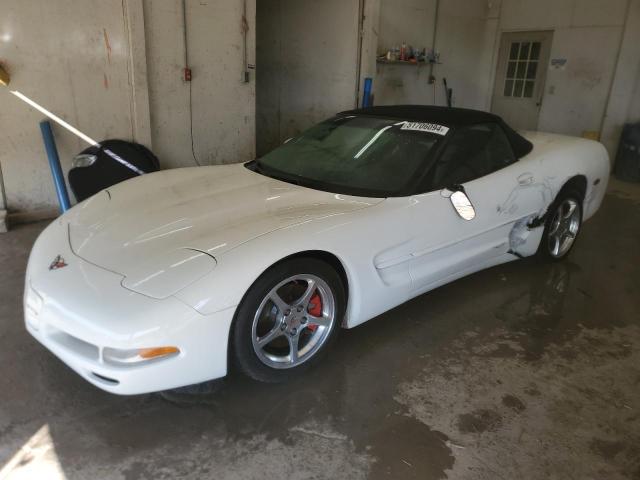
425, 127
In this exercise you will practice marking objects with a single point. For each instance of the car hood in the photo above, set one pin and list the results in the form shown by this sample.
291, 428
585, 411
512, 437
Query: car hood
209, 209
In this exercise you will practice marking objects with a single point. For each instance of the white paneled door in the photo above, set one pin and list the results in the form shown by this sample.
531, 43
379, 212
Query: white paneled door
520, 76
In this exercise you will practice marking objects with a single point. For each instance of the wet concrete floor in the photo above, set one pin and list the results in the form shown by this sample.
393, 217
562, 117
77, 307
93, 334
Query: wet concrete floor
527, 370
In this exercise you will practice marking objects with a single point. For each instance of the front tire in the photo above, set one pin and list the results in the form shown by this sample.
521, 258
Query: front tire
562, 226
287, 320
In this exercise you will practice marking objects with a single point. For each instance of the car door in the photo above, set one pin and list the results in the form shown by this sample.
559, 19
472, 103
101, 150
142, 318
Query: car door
478, 162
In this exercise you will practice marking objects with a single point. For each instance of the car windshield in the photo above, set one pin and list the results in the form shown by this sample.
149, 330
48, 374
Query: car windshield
356, 155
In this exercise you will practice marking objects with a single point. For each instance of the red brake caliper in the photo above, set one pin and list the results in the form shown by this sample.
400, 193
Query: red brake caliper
314, 309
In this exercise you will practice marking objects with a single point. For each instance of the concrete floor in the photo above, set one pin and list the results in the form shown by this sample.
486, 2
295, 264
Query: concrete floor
526, 370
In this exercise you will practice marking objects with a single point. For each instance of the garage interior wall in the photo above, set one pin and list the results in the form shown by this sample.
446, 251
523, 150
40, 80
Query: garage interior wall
587, 34
75, 64
600, 41
307, 65
624, 98
114, 69
464, 37
216, 110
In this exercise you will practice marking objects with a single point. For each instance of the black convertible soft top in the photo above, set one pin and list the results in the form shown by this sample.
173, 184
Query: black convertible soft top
449, 117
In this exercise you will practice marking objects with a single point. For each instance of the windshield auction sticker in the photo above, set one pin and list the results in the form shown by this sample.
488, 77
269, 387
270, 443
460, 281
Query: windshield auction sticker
425, 127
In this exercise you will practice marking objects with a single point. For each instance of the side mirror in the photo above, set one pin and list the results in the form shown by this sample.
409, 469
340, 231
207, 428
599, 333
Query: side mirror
460, 201
463, 205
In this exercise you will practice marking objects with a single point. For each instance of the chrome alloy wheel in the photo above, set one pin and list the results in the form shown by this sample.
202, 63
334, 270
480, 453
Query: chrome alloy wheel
563, 228
293, 321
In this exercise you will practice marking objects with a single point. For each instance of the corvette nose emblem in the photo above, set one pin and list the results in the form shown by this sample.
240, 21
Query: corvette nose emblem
57, 263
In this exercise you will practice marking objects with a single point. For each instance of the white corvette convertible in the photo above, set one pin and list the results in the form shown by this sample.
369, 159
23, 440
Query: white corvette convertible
173, 278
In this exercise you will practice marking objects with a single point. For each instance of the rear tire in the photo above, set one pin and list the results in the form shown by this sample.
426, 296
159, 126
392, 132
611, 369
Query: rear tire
287, 320
562, 226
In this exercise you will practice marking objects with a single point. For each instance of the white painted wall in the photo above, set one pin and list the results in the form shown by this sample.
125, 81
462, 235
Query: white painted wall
634, 106
624, 100
113, 68
408, 21
222, 106
588, 33
411, 22
465, 37
307, 61
369, 43
72, 57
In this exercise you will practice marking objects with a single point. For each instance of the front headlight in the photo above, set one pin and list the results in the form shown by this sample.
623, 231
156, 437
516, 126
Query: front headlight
170, 273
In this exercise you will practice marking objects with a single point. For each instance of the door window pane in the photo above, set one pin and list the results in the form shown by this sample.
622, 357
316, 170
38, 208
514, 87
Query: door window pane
508, 88
472, 152
522, 69
528, 88
517, 90
535, 51
513, 53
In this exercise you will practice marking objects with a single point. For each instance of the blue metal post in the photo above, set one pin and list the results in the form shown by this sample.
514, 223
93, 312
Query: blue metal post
366, 96
54, 163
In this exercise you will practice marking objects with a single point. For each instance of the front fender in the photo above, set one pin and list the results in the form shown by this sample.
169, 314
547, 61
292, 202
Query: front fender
355, 238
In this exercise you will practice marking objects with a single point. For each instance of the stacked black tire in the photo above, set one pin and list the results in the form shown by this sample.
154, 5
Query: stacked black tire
105, 171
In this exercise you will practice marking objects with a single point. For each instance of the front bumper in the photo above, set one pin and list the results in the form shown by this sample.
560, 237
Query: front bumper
79, 310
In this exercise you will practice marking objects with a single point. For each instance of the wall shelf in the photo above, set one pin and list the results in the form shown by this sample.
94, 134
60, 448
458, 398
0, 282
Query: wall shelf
384, 61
